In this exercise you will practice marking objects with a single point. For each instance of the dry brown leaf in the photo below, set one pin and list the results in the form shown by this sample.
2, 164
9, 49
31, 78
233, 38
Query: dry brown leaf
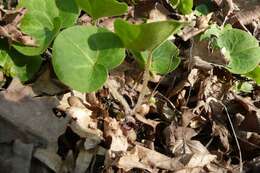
159, 13
46, 85
150, 160
10, 30
221, 131
187, 117
200, 26
114, 132
251, 122
146, 121
31, 115
83, 124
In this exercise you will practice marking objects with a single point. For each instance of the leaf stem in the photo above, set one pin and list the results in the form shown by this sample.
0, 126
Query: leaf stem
146, 78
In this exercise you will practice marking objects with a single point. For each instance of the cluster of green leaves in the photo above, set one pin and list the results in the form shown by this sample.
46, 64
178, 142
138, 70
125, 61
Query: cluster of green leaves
239, 47
83, 55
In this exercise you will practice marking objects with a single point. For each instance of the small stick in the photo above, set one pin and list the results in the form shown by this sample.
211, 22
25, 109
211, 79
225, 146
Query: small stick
146, 77
233, 131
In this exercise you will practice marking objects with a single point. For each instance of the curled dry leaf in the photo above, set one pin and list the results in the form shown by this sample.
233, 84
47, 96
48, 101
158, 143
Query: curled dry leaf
178, 139
11, 30
150, 160
201, 25
83, 124
114, 132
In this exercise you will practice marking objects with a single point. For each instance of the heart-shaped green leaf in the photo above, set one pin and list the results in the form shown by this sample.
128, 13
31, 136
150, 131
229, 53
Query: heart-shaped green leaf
68, 12
241, 49
82, 56
16, 64
41, 22
255, 75
165, 58
146, 36
102, 8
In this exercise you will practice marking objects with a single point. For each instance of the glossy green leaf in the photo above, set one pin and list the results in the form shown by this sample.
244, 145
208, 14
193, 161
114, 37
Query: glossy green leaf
15, 64
183, 6
241, 49
146, 36
165, 58
82, 56
68, 12
102, 8
41, 22
255, 75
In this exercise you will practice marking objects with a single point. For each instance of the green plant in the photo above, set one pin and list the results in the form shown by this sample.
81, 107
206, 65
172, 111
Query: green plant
241, 50
102, 8
15, 64
183, 6
83, 55
146, 37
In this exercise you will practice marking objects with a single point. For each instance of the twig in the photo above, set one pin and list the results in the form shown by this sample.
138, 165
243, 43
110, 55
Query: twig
118, 96
233, 131
145, 80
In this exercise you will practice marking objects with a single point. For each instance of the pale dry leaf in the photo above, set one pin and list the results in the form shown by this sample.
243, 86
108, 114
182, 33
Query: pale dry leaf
200, 160
83, 161
146, 121
90, 143
150, 160
83, 124
118, 139
221, 131
49, 158
188, 147
187, 117
159, 13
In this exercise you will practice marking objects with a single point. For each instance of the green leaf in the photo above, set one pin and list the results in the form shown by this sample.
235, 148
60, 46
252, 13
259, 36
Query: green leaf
201, 10
82, 56
255, 75
15, 64
146, 36
102, 8
245, 87
241, 49
214, 31
183, 6
68, 12
41, 22
165, 58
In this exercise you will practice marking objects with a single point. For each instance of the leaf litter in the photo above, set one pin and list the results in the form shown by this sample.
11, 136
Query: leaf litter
178, 128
